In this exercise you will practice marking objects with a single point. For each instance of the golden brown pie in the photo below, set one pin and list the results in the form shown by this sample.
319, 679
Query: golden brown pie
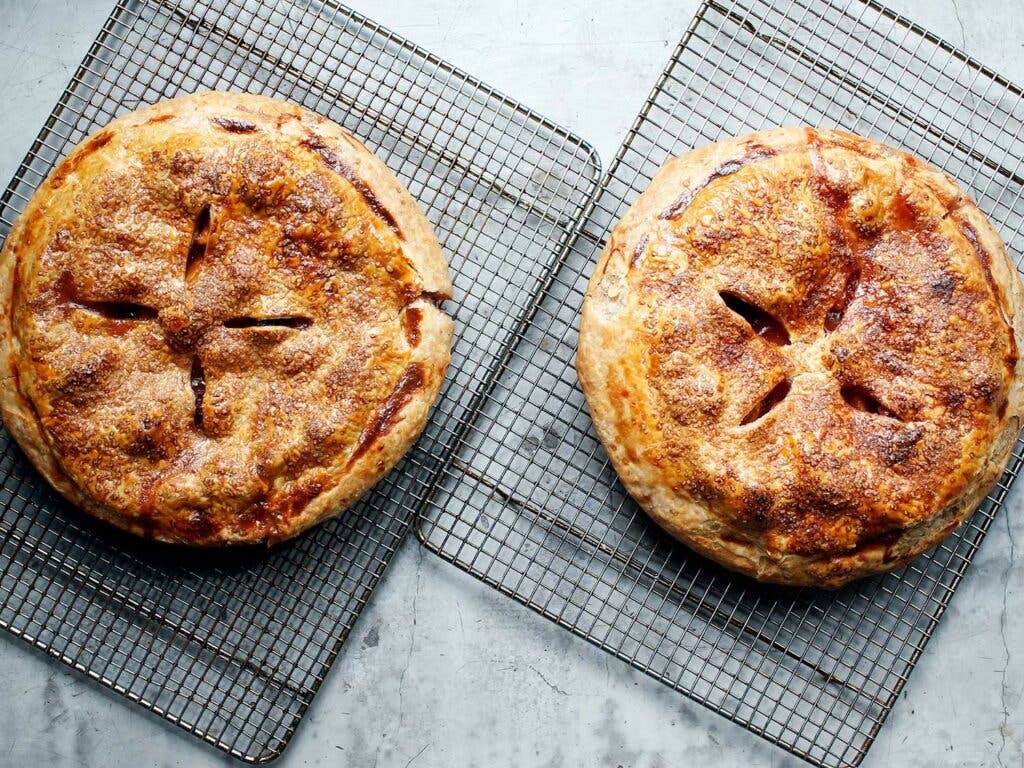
800, 350
221, 321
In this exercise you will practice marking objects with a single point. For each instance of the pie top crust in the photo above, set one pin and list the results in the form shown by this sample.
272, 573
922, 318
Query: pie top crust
800, 350
221, 321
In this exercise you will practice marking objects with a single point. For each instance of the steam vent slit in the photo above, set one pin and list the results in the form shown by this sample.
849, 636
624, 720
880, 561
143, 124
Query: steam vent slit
768, 402
120, 310
198, 381
835, 315
862, 400
763, 324
200, 242
288, 321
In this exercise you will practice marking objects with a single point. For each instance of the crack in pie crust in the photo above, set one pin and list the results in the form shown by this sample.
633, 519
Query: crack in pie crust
220, 321
800, 350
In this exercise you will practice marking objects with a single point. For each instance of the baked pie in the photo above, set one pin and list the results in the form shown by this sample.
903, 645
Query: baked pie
800, 350
221, 321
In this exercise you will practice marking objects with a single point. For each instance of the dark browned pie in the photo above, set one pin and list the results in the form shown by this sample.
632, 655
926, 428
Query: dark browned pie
800, 349
221, 321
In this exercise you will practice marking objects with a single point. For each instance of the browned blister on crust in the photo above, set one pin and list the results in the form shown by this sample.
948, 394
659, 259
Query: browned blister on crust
220, 321
800, 349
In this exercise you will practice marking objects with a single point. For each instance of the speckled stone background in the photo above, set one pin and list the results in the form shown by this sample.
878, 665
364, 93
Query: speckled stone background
440, 670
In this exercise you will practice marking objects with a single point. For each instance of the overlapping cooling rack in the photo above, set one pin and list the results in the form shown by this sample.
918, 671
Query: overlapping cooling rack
528, 501
235, 652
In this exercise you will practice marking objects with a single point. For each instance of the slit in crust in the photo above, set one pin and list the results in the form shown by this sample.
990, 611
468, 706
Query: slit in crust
200, 243
762, 323
768, 402
860, 399
197, 379
285, 321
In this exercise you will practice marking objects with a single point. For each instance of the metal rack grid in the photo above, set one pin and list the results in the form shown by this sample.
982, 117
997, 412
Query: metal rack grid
529, 502
234, 652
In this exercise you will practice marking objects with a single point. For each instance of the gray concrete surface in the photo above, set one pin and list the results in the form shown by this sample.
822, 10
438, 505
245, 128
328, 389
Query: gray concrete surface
442, 671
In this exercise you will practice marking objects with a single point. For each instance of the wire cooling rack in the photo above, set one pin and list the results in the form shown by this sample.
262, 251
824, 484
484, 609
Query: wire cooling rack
234, 652
528, 501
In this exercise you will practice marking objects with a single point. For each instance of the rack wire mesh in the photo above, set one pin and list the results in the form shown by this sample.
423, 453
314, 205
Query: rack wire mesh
528, 501
235, 652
